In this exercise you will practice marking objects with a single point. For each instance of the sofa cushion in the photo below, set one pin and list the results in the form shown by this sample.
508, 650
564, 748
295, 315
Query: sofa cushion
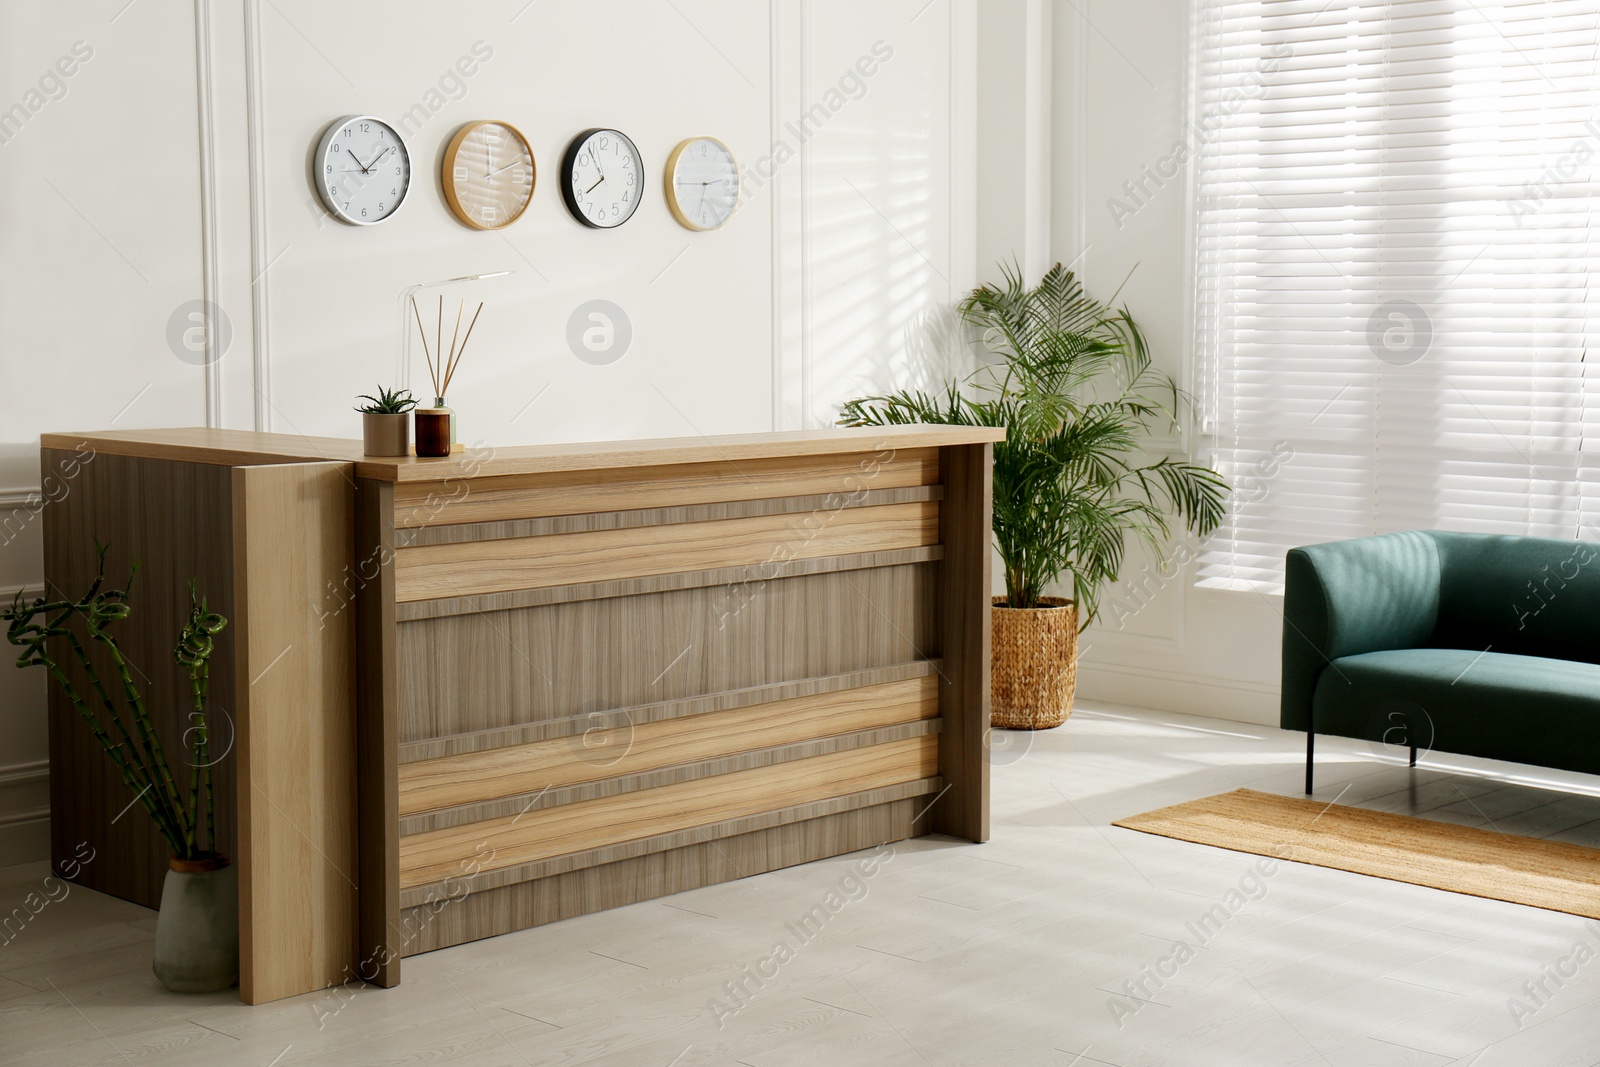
1536, 596
1526, 709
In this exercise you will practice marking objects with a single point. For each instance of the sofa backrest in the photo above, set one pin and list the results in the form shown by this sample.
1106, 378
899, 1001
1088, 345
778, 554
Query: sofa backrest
1535, 596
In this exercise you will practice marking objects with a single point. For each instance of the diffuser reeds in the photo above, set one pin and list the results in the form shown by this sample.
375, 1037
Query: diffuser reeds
441, 367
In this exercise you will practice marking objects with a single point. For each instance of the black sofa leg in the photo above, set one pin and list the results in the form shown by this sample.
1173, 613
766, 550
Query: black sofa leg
1413, 755
1311, 743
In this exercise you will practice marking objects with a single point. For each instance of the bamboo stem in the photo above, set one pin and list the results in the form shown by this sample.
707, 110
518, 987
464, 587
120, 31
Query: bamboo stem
438, 343
150, 762
141, 720
113, 750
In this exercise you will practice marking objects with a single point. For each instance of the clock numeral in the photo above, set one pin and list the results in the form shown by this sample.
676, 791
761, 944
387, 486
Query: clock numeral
488, 212
330, 168
366, 127
336, 147
460, 174
627, 161
380, 208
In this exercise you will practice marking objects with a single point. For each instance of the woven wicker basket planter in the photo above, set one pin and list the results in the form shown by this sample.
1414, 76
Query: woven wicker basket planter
1035, 664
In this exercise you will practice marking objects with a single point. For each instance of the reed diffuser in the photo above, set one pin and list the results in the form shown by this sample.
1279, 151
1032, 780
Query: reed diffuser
436, 426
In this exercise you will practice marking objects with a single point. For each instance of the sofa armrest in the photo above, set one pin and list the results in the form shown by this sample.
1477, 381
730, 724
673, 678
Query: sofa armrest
1344, 598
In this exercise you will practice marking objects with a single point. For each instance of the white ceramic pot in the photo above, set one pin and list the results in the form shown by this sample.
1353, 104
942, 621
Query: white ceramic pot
197, 930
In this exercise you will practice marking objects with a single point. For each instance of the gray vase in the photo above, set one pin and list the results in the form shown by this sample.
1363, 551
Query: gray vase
197, 929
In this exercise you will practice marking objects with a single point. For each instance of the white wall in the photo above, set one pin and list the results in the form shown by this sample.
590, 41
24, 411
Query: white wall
172, 165
1119, 106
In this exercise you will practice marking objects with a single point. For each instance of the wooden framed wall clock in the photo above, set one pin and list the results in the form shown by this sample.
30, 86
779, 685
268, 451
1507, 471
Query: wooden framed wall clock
601, 178
363, 170
702, 180
488, 174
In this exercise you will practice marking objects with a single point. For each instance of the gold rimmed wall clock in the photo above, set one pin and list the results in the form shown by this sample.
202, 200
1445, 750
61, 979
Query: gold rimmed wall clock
488, 174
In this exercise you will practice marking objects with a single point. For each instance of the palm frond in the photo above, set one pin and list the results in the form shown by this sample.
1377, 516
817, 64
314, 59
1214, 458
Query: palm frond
1078, 395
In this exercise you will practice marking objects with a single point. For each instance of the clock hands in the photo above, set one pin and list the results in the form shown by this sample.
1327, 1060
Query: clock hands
508, 166
357, 158
377, 157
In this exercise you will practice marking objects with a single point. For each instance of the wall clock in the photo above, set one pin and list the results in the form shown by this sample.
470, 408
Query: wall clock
363, 170
702, 182
601, 175
488, 174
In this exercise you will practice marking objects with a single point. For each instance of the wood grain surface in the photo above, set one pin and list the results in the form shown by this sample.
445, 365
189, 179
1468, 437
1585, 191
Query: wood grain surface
295, 709
495, 499
614, 745
455, 570
504, 842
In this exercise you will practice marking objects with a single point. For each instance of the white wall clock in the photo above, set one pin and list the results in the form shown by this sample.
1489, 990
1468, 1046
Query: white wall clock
488, 174
702, 182
363, 170
601, 177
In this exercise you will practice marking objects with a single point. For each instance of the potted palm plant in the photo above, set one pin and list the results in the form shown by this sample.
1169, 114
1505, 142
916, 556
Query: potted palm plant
385, 425
197, 929
1070, 380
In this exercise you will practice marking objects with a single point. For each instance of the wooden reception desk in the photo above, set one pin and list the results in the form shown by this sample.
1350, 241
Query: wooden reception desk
476, 694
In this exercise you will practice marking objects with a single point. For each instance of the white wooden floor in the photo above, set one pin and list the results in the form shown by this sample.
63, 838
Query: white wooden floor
1011, 953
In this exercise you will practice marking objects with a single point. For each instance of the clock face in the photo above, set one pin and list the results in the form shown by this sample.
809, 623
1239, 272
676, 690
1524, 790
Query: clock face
601, 177
488, 175
363, 170
702, 183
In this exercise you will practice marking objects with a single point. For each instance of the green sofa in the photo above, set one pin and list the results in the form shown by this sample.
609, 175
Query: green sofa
1478, 644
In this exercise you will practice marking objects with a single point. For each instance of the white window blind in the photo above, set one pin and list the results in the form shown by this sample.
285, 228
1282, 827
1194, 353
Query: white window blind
1395, 253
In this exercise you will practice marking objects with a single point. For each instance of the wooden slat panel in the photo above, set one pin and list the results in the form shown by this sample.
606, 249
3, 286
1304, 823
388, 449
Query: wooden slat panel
566, 559
527, 733
670, 775
467, 673
620, 747
484, 913
677, 841
497, 843
295, 712
176, 521
531, 496
460, 533
661, 583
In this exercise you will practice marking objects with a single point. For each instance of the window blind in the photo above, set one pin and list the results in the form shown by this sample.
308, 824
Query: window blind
1394, 258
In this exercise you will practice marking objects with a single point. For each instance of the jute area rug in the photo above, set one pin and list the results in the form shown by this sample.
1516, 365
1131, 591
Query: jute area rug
1481, 863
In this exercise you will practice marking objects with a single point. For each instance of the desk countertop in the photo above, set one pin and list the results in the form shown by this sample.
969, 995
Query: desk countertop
247, 448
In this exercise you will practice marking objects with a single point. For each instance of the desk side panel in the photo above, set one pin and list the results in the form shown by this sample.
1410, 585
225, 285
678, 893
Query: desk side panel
174, 520
296, 699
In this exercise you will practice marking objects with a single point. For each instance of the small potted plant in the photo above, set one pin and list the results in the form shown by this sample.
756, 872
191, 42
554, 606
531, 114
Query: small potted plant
1070, 380
197, 929
385, 422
